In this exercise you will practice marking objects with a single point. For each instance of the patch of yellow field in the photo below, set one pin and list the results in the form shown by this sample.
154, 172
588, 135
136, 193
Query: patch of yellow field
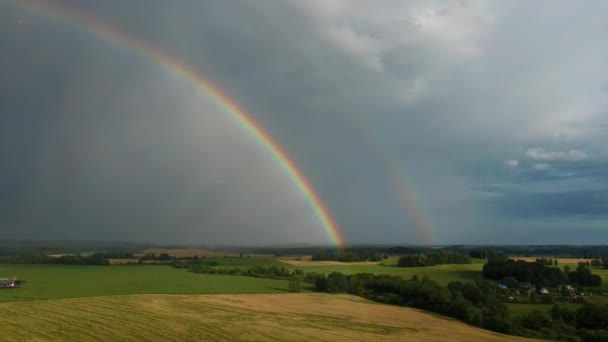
286, 317
561, 261
123, 261
307, 262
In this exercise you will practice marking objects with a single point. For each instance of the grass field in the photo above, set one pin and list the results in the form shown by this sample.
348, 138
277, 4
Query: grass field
293, 317
603, 273
66, 281
443, 274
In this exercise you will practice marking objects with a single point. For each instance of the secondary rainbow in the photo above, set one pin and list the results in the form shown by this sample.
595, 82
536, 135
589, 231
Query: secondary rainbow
173, 65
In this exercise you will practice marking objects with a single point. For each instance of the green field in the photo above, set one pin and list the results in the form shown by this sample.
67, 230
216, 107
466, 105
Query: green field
443, 274
603, 273
67, 281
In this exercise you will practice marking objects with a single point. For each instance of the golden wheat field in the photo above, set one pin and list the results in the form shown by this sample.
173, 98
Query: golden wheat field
561, 261
289, 317
305, 263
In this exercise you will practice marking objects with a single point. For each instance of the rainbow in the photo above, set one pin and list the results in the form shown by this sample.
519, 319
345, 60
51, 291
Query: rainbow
173, 65
409, 201
403, 188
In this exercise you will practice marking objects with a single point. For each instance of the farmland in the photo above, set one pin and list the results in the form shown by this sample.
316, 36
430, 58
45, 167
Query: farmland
561, 261
68, 281
72, 281
162, 300
443, 274
297, 317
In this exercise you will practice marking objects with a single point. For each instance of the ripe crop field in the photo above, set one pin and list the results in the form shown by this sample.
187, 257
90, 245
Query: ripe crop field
294, 317
67, 281
561, 261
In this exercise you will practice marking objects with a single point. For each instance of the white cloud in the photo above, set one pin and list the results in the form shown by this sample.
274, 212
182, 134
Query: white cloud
364, 48
511, 164
542, 154
540, 166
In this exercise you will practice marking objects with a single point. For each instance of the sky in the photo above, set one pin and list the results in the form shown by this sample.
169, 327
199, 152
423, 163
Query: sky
417, 122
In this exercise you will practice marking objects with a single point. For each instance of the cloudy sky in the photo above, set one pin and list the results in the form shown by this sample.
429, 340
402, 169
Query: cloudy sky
416, 122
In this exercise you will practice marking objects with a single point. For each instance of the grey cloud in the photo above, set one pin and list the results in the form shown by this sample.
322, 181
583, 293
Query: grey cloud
542, 154
581, 204
463, 99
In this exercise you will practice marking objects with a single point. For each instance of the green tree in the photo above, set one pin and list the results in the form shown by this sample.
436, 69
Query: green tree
533, 298
464, 310
511, 282
337, 283
497, 324
593, 335
592, 317
536, 320
322, 284
546, 299
556, 313
295, 283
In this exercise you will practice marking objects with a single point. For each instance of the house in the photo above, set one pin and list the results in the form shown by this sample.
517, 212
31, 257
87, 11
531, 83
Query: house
578, 300
6, 282
544, 291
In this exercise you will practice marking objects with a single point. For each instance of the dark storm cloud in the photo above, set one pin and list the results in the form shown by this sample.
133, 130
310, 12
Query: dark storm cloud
581, 204
471, 109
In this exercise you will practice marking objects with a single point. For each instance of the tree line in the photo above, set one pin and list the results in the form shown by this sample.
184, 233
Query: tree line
68, 259
433, 258
539, 274
348, 255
